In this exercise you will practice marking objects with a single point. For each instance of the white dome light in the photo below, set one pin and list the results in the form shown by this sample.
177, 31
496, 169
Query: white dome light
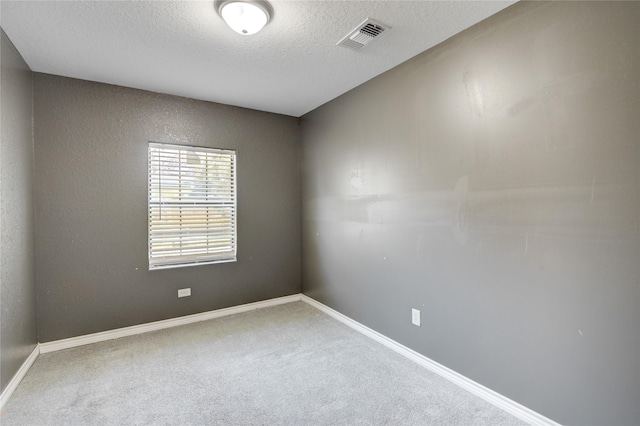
244, 17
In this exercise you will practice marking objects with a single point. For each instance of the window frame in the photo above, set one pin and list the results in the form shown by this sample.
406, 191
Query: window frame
222, 204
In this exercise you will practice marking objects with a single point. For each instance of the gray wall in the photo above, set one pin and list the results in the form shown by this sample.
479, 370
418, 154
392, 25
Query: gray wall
18, 334
493, 182
91, 206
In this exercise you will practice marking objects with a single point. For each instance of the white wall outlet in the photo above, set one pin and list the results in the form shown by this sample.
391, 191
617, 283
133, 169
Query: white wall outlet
184, 292
415, 317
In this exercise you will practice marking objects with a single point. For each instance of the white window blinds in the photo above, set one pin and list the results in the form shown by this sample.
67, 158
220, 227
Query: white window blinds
192, 205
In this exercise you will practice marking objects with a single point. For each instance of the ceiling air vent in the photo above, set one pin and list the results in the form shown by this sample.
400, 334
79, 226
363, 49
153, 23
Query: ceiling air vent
363, 34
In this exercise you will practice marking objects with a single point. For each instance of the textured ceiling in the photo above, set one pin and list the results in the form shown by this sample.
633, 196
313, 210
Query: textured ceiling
184, 48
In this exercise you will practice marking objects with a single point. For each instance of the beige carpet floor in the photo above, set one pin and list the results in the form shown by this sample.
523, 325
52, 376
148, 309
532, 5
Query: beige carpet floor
285, 365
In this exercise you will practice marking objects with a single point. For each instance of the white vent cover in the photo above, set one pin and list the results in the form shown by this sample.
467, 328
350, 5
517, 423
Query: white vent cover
363, 34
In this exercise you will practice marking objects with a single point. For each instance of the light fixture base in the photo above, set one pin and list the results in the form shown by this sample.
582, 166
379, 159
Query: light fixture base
237, 19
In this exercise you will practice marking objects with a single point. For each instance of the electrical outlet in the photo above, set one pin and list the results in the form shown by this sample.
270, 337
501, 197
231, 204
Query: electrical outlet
415, 317
184, 292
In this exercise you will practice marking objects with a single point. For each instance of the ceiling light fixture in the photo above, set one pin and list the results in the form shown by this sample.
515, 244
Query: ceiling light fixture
245, 17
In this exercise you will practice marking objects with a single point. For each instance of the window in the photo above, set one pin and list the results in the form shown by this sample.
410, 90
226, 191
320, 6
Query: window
192, 206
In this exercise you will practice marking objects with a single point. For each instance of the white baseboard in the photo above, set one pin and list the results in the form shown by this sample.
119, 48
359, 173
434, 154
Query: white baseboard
17, 378
500, 401
159, 325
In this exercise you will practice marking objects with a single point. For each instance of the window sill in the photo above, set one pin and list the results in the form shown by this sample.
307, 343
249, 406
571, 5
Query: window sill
184, 265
